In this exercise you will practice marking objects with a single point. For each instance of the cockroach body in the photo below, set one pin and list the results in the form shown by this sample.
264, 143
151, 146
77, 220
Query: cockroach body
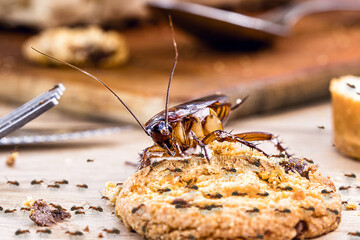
178, 130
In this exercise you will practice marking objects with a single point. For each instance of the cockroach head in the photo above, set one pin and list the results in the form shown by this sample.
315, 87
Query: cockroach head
161, 133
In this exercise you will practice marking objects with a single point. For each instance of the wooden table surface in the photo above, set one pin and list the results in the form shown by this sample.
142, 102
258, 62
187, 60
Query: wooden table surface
298, 128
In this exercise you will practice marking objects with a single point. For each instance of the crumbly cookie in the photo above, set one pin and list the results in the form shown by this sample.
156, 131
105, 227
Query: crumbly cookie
345, 94
90, 46
240, 194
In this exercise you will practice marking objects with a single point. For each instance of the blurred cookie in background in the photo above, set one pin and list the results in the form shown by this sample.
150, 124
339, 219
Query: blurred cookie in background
82, 46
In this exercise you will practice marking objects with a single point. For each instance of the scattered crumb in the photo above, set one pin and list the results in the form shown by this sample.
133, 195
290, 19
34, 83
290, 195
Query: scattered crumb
111, 191
86, 229
43, 215
350, 206
29, 202
100, 235
10, 161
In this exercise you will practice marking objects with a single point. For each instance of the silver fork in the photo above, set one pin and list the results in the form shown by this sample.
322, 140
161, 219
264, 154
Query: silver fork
30, 110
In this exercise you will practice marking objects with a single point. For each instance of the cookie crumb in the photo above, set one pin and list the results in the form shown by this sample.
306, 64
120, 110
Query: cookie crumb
350, 206
10, 160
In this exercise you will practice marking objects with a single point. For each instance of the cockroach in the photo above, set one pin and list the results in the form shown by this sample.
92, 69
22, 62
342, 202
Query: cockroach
53, 186
163, 190
236, 193
112, 231
135, 209
62, 182
47, 231
264, 194
254, 210
335, 211
285, 210
76, 233
82, 186
350, 175
35, 182
25, 209
19, 231
186, 126
344, 188
98, 208
308, 208
357, 234
10, 210
78, 212
73, 208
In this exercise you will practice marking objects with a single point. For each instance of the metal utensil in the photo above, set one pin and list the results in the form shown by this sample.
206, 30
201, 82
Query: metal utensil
30, 110
219, 27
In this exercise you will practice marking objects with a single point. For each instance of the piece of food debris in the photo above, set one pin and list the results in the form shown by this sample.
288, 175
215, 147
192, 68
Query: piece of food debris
45, 215
10, 160
350, 206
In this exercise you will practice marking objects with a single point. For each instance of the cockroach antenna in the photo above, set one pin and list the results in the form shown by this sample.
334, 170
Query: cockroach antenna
171, 74
92, 76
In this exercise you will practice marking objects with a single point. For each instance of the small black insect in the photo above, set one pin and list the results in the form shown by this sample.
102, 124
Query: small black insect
357, 234
335, 211
53, 186
98, 208
35, 182
73, 208
47, 231
82, 186
264, 194
285, 210
76, 233
236, 193
254, 210
62, 182
344, 188
112, 231
135, 209
78, 212
19, 231
308, 208
216, 195
350, 175
10, 210
163, 190
326, 191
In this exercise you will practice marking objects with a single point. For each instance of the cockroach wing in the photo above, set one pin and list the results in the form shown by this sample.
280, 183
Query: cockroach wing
217, 102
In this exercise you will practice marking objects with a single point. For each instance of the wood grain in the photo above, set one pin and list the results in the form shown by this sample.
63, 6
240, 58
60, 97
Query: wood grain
297, 128
294, 70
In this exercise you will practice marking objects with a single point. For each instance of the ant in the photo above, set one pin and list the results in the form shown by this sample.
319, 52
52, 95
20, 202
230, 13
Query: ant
209, 207
10, 210
216, 195
350, 175
325, 191
57, 206
90, 160
76, 233
112, 231
98, 208
35, 182
62, 182
287, 188
265, 194
135, 209
15, 183
194, 187
236, 193
344, 188
285, 210
308, 208
19, 231
350, 85
357, 234
229, 169
357, 187
335, 211
82, 186
25, 209
163, 190
254, 210
73, 208
105, 197
77, 212
321, 127
47, 231
53, 186
174, 170
1, 208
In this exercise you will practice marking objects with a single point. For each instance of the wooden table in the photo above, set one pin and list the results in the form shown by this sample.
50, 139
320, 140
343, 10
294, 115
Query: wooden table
298, 128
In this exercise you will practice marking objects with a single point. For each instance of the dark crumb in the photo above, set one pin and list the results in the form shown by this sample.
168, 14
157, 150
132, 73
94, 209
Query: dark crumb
42, 215
86, 229
100, 235
300, 228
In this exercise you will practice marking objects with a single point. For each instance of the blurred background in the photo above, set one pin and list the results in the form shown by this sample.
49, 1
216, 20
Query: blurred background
279, 53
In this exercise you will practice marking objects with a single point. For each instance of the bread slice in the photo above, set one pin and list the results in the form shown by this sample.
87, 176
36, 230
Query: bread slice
240, 194
345, 92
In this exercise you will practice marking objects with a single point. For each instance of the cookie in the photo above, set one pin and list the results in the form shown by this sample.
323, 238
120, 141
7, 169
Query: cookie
90, 46
345, 94
240, 194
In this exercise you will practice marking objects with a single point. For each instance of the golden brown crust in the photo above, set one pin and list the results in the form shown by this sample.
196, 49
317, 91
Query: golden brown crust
240, 194
346, 115
89, 46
